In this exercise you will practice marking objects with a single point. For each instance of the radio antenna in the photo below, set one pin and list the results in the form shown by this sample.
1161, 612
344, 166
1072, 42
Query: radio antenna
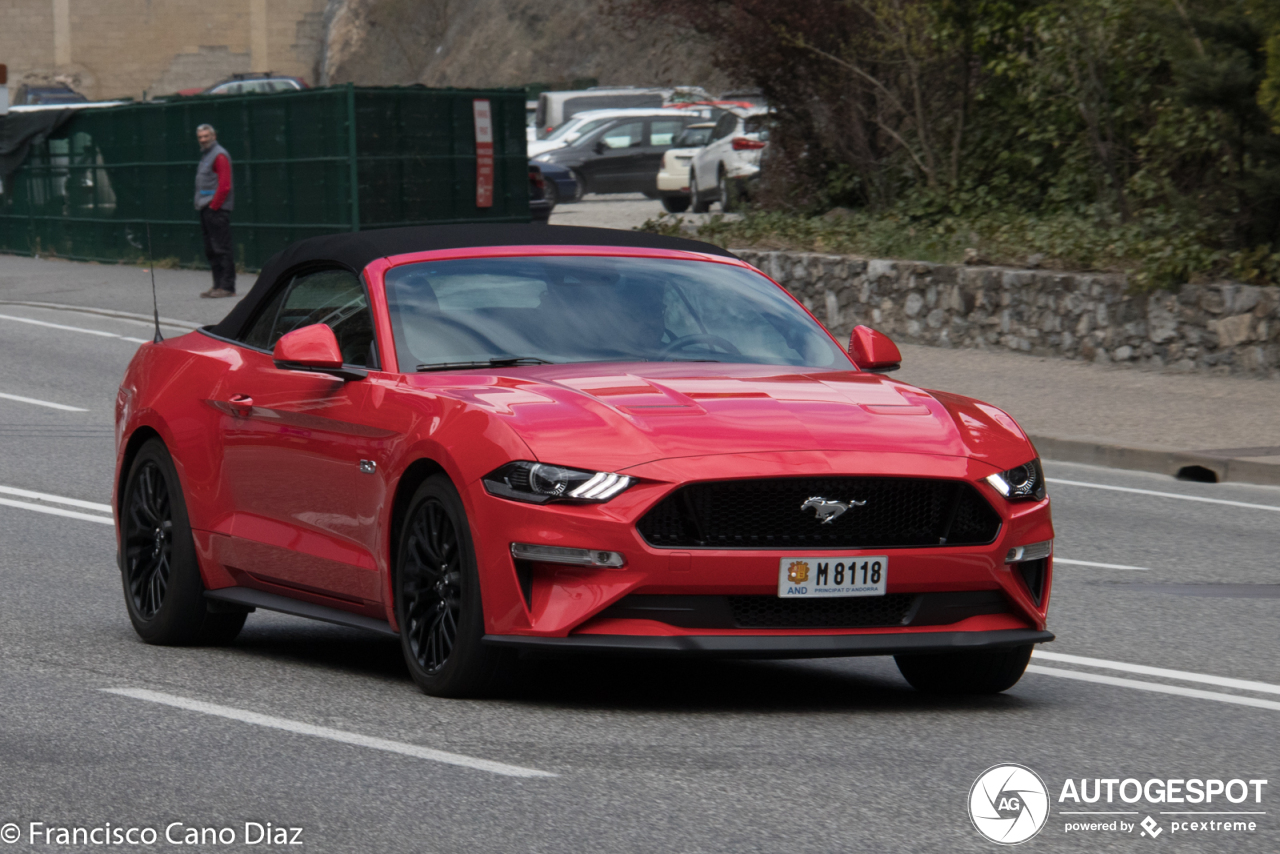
155, 303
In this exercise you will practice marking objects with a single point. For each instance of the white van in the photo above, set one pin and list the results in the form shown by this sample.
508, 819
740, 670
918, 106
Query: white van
555, 107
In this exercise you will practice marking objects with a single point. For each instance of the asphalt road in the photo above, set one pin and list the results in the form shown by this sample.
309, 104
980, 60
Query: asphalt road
311, 726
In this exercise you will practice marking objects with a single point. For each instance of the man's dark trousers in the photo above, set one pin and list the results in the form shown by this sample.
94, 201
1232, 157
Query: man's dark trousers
216, 226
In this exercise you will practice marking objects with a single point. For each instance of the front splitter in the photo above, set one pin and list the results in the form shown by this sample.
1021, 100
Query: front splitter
776, 646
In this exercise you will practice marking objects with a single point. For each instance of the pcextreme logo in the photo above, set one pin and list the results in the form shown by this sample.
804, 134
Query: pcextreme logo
1008, 804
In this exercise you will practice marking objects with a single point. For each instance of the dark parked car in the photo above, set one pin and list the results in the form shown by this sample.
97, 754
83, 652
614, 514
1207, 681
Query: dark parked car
561, 185
623, 156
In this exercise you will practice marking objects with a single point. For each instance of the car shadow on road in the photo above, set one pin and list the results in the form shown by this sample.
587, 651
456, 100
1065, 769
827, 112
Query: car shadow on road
632, 683
720, 686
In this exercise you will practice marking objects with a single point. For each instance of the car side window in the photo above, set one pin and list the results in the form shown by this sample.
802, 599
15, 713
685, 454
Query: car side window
624, 136
725, 126
664, 131
333, 297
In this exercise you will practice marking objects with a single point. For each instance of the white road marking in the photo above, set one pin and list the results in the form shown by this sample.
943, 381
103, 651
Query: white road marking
126, 316
330, 734
1185, 676
56, 511
49, 404
64, 327
1155, 687
1058, 560
54, 499
1224, 501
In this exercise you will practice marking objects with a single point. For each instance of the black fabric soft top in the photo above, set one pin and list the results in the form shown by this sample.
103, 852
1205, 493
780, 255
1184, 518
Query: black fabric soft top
355, 250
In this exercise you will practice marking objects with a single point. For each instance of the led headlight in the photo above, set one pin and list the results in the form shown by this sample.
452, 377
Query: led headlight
539, 483
1022, 482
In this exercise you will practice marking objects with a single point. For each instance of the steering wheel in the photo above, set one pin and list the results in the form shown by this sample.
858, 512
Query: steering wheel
685, 341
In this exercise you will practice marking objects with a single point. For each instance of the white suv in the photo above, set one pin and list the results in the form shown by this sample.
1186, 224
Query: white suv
732, 157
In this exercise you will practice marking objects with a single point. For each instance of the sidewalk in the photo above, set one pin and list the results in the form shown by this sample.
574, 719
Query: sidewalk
1074, 411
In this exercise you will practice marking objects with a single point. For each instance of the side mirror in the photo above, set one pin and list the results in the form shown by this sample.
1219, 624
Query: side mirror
313, 348
601, 148
873, 351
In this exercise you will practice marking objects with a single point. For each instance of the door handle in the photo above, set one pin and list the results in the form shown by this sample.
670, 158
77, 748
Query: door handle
241, 403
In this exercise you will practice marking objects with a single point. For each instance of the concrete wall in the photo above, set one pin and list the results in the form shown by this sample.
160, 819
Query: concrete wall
121, 48
1224, 327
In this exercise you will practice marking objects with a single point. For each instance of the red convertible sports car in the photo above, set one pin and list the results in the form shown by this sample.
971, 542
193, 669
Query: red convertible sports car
493, 439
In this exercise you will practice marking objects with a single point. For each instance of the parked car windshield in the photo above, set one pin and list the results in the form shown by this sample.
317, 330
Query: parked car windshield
592, 309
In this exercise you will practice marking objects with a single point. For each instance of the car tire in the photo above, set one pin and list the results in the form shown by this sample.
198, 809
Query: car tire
695, 198
977, 672
437, 599
725, 193
551, 193
163, 591
675, 204
581, 181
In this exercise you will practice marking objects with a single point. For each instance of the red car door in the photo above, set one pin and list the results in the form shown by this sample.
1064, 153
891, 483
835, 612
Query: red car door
299, 454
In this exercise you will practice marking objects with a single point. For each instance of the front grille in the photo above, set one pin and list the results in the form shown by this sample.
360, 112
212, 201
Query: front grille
855, 612
766, 514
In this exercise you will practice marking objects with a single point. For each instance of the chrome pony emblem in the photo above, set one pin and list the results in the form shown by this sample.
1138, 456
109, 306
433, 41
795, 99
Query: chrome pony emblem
829, 511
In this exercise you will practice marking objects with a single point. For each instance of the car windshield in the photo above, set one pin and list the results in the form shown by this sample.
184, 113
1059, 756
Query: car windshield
594, 309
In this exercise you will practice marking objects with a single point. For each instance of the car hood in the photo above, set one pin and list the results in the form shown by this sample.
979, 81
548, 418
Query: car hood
612, 416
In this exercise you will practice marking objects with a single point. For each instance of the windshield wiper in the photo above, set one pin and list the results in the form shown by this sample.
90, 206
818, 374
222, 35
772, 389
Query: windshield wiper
499, 362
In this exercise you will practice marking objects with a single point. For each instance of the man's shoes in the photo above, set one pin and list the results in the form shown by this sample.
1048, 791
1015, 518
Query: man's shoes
217, 293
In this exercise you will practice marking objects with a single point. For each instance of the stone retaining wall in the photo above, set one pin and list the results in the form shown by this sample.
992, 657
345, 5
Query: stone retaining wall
1223, 327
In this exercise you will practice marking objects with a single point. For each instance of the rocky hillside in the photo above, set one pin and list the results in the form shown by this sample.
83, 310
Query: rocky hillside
504, 43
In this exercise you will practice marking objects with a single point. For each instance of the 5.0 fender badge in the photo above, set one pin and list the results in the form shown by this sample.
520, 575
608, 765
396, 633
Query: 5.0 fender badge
828, 511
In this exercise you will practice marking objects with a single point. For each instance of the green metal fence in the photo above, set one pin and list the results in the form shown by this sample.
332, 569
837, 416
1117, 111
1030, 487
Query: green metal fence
304, 163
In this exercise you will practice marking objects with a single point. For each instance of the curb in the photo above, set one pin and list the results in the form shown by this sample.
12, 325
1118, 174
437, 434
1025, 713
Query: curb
105, 312
1156, 460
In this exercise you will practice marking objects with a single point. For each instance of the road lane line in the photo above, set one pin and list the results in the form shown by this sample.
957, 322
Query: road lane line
54, 499
56, 511
330, 734
1185, 676
66, 328
1271, 507
1058, 560
1155, 687
47, 403
126, 316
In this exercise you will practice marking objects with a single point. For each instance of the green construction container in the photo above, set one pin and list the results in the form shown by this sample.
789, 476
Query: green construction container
316, 161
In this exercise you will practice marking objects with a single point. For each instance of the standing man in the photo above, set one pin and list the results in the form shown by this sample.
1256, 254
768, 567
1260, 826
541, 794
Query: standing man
215, 197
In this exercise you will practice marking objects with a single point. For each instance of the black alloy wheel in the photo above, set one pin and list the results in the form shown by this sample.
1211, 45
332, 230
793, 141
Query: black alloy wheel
148, 543
438, 604
163, 591
432, 586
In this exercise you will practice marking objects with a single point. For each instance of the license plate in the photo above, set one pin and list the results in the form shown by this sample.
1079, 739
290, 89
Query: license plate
816, 578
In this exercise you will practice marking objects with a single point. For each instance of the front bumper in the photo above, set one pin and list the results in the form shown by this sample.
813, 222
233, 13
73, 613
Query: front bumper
582, 607
777, 646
